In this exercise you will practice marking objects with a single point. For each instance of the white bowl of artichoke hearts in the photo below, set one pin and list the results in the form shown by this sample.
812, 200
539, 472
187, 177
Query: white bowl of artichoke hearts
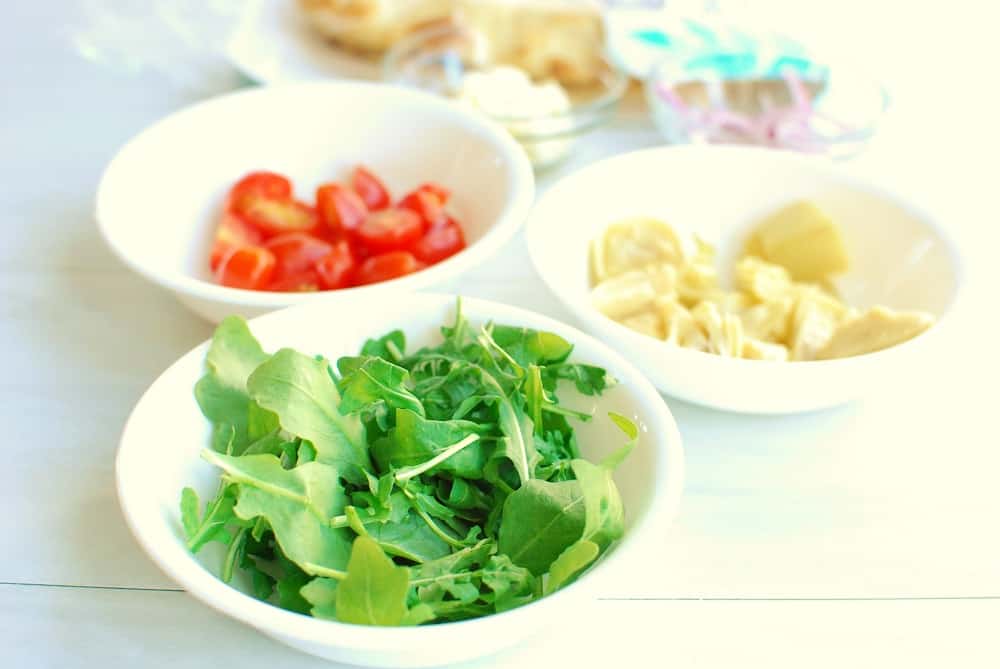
746, 279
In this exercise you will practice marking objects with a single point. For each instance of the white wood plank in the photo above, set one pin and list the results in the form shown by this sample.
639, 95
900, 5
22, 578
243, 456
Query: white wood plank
51, 628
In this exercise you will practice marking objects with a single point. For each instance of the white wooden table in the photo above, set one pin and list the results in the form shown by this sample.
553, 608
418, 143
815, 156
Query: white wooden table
860, 536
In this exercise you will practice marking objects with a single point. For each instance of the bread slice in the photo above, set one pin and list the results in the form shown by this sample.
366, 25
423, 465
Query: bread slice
373, 25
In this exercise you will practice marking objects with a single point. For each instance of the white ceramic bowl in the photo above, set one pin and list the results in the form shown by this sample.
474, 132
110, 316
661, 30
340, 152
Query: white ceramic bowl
900, 257
159, 199
159, 450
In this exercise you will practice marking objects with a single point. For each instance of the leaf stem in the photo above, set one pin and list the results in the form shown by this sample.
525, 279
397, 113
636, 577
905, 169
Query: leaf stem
319, 570
564, 411
424, 516
408, 473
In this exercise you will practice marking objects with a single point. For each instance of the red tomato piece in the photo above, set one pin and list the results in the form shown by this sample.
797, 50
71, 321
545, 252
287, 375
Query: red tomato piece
231, 233
387, 266
249, 267
262, 184
439, 243
428, 205
274, 216
296, 252
336, 269
370, 188
437, 190
389, 230
340, 209
306, 281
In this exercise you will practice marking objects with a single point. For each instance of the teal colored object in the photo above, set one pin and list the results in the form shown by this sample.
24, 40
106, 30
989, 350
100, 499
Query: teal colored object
703, 47
653, 37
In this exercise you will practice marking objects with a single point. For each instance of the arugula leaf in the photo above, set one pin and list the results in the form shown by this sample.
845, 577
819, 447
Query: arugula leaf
588, 379
409, 538
512, 586
289, 586
212, 525
222, 392
459, 494
190, 512
603, 510
570, 563
631, 430
531, 347
374, 591
321, 595
517, 445
391, 347
415, 440
297, 505
299, 390
375, 386
540, 520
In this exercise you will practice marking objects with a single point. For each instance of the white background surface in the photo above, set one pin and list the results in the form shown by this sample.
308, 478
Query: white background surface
862, 536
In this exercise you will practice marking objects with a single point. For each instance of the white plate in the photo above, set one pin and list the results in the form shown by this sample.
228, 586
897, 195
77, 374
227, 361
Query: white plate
272, 43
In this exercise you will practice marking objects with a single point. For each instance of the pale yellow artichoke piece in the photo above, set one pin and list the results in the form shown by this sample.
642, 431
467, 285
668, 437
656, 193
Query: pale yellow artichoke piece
704, 252
681, 329
633, 244
695, 281
729, 301
724, 332
802, 238
761, 279
811, 328
769, 321
874, 330
663, 277
731, 345
822, 299
624, 295
755, 349
647, 322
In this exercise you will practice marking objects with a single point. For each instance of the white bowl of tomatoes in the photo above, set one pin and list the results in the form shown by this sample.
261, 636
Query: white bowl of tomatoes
275, 196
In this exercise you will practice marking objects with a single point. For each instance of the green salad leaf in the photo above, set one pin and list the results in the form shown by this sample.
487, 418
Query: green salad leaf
301, 392
374, 591
404, 488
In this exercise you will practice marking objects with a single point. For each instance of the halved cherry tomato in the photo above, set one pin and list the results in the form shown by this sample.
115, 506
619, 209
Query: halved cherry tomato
336, 269
263, 184
296, 252
437, 190
389, 230
306, 281
274, 216
387, 266
439, 243
231, 233
340, 209
372, 191
427, 204
248, 267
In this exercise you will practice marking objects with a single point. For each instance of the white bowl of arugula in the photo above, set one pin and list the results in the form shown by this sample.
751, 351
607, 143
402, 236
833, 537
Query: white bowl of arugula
462, 483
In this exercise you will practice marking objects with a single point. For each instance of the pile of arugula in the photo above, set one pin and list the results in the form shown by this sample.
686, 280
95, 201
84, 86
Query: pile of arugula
403, 489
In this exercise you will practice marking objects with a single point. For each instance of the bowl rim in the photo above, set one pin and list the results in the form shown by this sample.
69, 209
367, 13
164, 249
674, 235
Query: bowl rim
183, 567
510, 218
870, 185
616, 85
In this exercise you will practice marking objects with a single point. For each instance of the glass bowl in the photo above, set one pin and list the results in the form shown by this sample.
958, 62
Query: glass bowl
826, 110
440, 59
